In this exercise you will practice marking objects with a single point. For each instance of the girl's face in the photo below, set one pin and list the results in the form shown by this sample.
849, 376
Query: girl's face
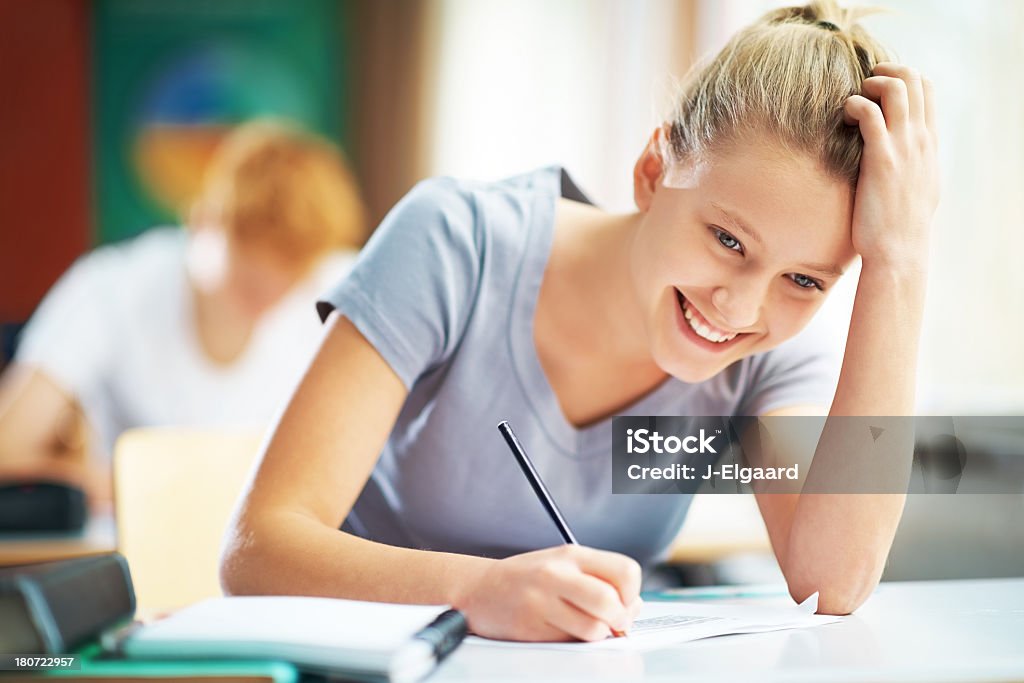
737, 256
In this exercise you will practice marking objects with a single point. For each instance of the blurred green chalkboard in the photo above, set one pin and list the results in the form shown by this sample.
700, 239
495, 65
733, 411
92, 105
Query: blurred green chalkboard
170, 77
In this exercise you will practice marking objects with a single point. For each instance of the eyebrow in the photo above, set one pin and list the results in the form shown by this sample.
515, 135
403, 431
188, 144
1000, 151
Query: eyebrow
739, 224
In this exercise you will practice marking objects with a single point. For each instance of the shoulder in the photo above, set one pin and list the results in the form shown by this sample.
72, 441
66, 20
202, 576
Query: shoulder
103, 301
434, 224
443, 202
448, 249
140, 258
153, 263
156, 244
101, 275
446, 229
475, 211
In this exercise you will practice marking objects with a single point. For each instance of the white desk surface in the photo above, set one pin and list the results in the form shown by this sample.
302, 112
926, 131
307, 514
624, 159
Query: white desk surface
932, 631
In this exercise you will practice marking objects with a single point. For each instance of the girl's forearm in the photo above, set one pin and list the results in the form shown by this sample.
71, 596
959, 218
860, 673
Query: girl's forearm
289, 553
880, 364
838, 543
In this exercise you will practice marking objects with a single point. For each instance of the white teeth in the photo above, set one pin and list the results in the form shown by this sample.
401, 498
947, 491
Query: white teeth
703, 330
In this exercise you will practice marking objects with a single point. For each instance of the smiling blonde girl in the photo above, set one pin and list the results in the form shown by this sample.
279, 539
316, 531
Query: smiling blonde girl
793, 152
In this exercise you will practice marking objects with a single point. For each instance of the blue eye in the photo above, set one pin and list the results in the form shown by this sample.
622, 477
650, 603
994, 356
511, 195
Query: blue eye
804, 282
727, 240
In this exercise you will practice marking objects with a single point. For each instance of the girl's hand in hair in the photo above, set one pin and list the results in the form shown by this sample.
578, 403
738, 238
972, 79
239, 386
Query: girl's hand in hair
898, 187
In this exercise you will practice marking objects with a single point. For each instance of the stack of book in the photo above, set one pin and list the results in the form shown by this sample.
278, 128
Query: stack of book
85, 606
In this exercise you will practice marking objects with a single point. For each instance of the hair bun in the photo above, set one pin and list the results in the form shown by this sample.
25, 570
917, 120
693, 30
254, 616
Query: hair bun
785, 78
820, 13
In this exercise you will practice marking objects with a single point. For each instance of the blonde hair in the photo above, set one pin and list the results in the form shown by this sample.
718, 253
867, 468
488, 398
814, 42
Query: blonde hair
272, 184
785, 79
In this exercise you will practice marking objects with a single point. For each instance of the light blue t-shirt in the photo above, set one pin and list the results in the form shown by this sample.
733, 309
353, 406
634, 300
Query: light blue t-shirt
445, 290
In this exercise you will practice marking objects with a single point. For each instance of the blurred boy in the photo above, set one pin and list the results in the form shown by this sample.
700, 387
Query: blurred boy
207, 326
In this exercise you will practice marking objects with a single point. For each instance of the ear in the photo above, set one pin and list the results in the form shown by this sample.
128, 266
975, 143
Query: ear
648, 171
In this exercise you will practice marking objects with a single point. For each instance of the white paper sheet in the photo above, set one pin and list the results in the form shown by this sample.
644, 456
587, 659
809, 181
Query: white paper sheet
661, 624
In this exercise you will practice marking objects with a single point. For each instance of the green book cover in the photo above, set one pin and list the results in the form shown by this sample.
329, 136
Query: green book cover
95, 664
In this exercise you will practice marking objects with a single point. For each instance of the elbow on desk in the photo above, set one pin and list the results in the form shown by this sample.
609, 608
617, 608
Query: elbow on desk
837, 596
843, 580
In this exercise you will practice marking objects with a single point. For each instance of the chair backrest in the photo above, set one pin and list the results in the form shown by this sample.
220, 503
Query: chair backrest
174, 492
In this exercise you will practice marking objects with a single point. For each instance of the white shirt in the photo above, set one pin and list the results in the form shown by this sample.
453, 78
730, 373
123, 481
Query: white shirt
118, 332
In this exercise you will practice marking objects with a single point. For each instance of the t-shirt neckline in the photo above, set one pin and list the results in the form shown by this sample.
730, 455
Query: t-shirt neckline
548, 186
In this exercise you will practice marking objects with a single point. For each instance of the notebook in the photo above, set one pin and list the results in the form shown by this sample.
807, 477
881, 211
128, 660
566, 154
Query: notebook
358, 640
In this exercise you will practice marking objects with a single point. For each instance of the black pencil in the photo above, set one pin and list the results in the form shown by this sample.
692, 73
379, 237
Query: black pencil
535, 481
542, 492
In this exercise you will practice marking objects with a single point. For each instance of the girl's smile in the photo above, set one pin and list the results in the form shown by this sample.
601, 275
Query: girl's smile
700, 332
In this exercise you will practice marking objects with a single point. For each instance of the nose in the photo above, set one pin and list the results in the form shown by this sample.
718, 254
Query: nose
740, 302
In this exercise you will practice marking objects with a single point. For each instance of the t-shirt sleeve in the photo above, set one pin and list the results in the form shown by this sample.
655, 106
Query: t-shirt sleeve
411, 291
802, 371
68, 335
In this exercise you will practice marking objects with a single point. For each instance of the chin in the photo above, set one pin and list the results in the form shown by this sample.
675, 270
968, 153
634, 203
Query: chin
693, 375
688, 370
674, 351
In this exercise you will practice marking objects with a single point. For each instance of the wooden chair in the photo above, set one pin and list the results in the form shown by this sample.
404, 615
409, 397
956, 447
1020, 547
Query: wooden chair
174, 492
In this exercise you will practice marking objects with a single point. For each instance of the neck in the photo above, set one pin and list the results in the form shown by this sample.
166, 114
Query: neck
597, 281
223, 329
